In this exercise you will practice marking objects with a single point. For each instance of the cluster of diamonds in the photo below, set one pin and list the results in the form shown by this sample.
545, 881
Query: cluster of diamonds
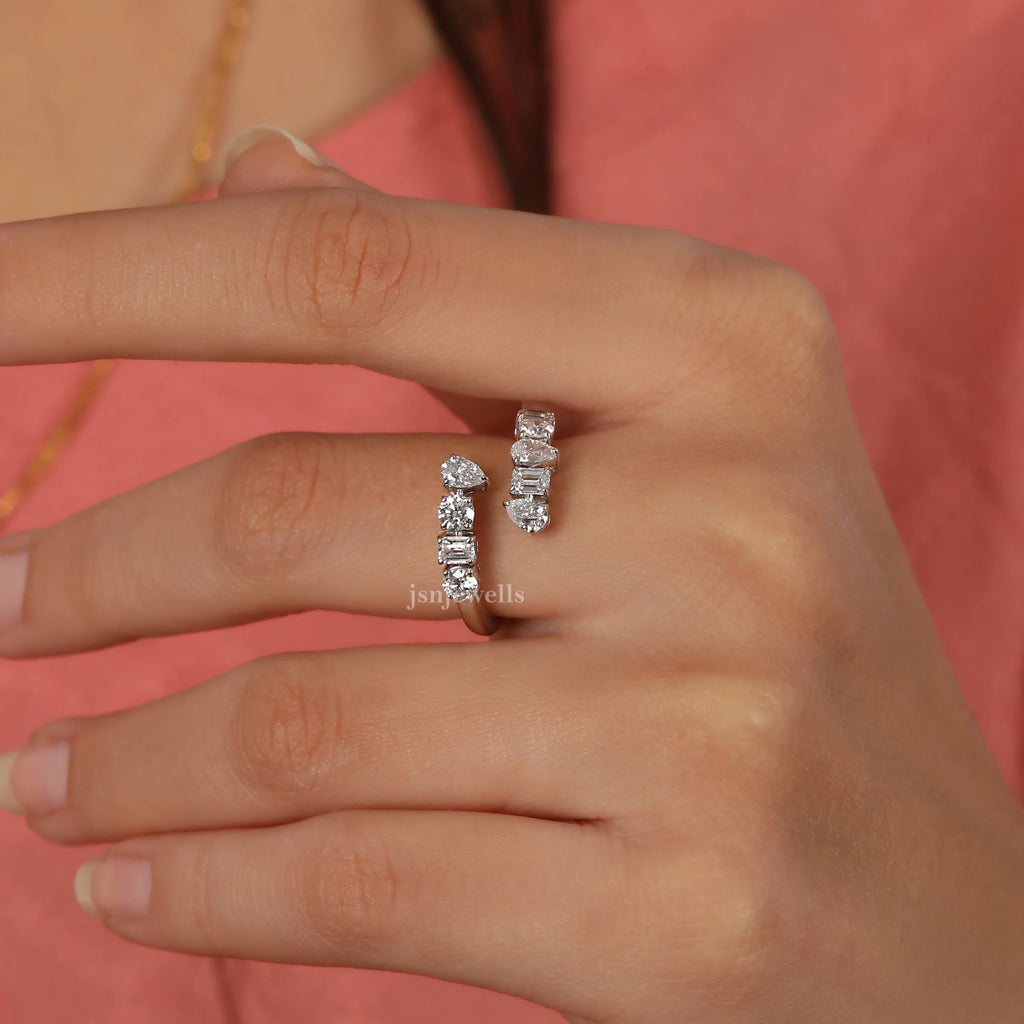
456, 546
535, 460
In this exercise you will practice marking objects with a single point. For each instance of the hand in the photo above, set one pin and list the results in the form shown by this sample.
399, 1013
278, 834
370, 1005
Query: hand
715, 766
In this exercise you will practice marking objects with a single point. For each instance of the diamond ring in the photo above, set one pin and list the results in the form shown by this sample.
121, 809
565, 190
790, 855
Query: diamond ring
456, 546
534, 460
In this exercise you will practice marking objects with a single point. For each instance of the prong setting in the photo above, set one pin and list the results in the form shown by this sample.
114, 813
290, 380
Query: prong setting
534, 460
456, 545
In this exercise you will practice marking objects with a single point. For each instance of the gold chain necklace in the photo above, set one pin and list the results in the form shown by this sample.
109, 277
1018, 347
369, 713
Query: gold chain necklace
225, 59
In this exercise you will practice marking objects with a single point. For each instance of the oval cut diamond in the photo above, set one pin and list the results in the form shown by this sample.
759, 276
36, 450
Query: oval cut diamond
460, 582
534, 453
528, 514
462, 474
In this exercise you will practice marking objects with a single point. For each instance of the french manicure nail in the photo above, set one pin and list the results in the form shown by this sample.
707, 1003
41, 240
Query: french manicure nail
13, 574
115, 886
256, 133
34, 779
83, 886
8, 801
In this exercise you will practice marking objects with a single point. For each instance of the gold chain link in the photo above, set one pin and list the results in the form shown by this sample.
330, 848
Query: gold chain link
229, 48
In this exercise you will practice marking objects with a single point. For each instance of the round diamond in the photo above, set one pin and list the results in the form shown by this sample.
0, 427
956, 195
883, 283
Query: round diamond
456, 512
460, 582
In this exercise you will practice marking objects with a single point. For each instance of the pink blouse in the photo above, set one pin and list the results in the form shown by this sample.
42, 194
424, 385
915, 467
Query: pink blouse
875, 146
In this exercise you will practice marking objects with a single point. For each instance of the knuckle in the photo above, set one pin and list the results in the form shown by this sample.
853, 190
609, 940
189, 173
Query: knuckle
798, 299
711, 919
346, 264
776, 570
753, 719
791, 562
277, 509
288, 729
350, 892
794, 311
738, 731
758, 329
203, 887
804, 583
87, 568
740, 930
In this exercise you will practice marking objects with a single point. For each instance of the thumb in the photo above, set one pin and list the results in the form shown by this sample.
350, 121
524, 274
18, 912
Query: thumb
263, 157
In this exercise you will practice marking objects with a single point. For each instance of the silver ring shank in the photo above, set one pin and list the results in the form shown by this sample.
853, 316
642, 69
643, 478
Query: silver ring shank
477, 616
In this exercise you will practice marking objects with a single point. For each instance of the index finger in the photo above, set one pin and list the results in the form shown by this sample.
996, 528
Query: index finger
477, 301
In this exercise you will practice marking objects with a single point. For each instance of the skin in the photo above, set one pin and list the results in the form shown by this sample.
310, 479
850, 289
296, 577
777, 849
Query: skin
714, 767
87, 134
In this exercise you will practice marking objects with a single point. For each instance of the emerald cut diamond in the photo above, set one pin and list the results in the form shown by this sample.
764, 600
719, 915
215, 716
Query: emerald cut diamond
528, 480
456, 550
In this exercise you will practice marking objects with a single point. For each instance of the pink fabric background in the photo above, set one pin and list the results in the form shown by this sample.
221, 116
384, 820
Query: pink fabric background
874, 146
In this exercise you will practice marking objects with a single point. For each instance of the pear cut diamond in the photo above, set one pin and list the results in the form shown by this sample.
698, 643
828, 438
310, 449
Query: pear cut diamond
534, 453
460, 582
462, 474
528, 514
456, 512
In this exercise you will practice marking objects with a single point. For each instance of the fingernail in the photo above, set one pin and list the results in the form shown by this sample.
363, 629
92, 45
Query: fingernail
256, 133
8, 801
13, 573
34, 780
115, 887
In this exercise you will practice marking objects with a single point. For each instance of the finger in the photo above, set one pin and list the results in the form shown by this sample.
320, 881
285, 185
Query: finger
492, 900
490, 416
293, 735
264, 157
287, 523
481, 302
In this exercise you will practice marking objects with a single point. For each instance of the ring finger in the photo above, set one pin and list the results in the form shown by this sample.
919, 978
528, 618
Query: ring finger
281, 524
